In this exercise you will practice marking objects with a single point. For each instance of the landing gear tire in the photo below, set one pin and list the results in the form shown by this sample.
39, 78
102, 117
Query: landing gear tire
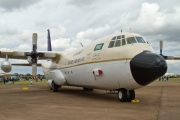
54, 87
122, 95
87, 89
130, 95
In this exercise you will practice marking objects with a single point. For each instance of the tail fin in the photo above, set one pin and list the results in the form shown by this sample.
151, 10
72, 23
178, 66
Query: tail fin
49, 48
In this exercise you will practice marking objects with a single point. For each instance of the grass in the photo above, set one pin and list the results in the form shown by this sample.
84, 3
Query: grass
26, 82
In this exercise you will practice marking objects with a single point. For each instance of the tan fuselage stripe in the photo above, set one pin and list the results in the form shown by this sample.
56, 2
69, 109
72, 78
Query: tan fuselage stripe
95, 62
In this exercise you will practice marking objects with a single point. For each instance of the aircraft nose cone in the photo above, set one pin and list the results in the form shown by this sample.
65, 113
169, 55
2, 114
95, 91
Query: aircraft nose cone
147, 67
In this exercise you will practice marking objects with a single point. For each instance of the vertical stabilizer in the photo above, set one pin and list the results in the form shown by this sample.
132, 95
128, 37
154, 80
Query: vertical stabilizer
49, 48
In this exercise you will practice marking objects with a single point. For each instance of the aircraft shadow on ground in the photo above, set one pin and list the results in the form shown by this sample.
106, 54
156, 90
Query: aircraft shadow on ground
95, 94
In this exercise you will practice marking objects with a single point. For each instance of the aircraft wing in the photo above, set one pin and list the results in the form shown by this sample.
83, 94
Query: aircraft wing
165, 56
32, 56
23, 55
176, 58
171, 57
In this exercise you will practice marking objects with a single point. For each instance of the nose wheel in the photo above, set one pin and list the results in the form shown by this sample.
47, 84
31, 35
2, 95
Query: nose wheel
126, 95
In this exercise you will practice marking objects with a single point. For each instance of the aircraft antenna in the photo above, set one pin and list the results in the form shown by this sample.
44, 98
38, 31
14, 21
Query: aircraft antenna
79, 43
121, 30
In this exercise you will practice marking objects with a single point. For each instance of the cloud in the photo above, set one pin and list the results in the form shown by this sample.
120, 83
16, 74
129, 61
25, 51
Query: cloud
81, 3
149, 18
7, 29
86, 37
149, 8
9, 5
173, 66
24, 47
72, 22
61, 43
91, 33
154, 23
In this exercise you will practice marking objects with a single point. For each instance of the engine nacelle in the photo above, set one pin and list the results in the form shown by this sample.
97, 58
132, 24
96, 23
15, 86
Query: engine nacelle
50, 83
6, 66
57, 77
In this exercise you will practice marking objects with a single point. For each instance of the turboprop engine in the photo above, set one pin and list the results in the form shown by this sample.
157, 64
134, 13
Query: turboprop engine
6, 65
57, 77
29, 59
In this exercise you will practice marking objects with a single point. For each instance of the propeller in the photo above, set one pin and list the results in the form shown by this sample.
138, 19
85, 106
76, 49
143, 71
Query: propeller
161, 47
165, 57
34, 54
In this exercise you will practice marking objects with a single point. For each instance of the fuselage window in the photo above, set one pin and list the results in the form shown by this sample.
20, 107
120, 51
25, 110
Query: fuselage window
140, 40
131, 40
118, 43
123, 42
111, 44
98, 46
123, 36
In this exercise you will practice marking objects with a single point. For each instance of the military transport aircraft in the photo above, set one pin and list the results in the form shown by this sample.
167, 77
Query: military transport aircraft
122, 62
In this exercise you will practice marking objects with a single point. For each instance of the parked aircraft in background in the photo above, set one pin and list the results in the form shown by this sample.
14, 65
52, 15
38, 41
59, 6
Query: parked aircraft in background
171, 75
122, 62
2, 74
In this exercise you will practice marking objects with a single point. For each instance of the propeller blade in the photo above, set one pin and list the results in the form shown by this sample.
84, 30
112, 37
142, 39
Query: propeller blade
168, 57
34, 41
161, 46
34, 69
49, 48
34, 38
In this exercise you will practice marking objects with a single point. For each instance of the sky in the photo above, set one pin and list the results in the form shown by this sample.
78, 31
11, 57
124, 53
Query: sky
82, 21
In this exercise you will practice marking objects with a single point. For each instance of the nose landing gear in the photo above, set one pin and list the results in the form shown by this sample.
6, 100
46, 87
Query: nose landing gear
126, 95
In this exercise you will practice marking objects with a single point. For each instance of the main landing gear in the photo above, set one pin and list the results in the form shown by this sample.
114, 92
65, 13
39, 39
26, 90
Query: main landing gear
126, 95
54, 87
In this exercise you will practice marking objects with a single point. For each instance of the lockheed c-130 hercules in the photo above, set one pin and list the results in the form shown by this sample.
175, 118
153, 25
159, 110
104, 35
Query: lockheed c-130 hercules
121, 62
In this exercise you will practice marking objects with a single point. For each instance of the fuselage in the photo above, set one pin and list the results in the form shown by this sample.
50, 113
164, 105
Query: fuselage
105, 64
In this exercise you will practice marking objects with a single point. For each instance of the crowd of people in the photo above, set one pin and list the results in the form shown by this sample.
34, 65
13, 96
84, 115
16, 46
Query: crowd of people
6, 79
164, 78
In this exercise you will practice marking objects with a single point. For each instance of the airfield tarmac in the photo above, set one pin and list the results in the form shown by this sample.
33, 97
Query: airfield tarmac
158, 101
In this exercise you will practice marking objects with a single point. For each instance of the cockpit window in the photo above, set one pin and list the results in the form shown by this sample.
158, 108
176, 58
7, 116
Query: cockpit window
123, 42
98, 46
118, 43
131, 40
111, 44
140, 40
113, 38
118, 37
